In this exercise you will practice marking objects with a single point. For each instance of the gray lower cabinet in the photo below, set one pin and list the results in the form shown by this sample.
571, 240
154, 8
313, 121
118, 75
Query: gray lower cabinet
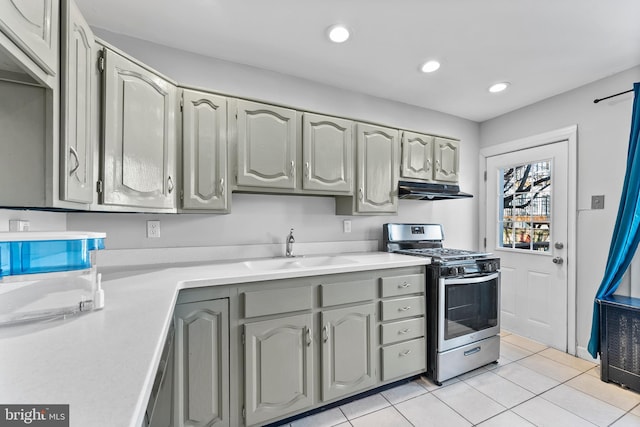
278, 367
348, 350
201, 388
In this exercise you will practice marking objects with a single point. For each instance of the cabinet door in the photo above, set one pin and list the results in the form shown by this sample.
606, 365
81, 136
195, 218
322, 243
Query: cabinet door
378, 152
139, 136
202, 364
79, 101
348, 350
33, 26
266, 145
204, 151
278, 367
327, 157
446, 156
417, 156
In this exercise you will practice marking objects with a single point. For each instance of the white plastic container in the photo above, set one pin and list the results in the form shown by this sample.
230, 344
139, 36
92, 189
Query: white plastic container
44, 275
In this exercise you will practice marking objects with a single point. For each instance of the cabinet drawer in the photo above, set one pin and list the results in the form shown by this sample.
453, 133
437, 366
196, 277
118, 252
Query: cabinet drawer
404, 358
273, 301
402, 285
347, 292
402, 330
399, 308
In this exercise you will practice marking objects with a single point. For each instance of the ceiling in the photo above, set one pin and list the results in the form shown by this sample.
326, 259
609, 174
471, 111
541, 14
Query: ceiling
542, 47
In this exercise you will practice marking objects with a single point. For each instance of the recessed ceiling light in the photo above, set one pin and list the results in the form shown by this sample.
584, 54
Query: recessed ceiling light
499, 87
338, 33
430, 66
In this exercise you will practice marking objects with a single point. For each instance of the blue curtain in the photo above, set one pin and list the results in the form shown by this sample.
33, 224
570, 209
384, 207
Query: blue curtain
626, 235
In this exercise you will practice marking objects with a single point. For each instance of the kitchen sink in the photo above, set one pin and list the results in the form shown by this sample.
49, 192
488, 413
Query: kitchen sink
297, 262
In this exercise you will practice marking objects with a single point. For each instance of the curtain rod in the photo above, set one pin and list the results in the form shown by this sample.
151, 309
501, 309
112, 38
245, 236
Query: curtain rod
595, 101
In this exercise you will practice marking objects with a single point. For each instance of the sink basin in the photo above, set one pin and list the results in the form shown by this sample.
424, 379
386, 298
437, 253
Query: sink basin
273, 264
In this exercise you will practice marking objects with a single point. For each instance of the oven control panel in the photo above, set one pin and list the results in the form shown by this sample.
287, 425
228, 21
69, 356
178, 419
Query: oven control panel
478, 267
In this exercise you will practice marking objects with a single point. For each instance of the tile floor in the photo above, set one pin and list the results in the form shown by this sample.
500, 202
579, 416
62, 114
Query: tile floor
532, 385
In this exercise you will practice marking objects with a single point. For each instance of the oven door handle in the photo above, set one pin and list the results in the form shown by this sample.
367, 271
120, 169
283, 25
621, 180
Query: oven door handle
471, 280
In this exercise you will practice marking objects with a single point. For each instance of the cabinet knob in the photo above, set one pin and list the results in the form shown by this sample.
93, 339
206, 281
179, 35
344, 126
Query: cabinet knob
404, 285
222, 186
405, 308
360, 194
405, 353
292, 170
325, 333
309, 339
437, 165
428, 165
307, 170
170, 185
404, 331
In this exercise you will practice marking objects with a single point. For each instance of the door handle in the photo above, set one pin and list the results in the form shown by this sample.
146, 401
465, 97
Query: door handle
558, 260
74, 153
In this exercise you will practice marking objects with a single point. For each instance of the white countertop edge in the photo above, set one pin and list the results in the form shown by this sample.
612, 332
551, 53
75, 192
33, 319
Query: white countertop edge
126, 294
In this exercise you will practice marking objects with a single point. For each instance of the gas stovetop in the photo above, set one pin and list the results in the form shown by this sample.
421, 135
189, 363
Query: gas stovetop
425, 240
443, 254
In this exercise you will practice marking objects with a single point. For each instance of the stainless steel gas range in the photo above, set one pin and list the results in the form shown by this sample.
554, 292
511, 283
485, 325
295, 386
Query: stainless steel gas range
463, 300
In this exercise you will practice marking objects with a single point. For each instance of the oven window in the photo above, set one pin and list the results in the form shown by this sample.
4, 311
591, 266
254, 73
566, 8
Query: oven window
470, 308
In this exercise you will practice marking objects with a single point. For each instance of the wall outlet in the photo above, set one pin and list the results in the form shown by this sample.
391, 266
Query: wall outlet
346, 226
18, 225
153, 228
597, 202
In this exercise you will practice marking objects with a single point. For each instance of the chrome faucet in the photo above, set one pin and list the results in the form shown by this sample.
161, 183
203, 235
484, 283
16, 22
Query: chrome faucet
290, 242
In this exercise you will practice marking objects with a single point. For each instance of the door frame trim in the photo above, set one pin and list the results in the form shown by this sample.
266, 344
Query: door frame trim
570, 134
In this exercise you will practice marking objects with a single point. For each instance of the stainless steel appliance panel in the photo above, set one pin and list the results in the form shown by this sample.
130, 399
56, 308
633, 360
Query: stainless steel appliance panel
452, 363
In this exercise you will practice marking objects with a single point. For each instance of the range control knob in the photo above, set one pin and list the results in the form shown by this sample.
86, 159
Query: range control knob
452, 271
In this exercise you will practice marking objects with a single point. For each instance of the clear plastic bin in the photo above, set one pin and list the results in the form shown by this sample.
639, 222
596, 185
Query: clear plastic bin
45, 275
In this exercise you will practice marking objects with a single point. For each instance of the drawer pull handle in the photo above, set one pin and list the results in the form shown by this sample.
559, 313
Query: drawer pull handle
309, 340
405, 308
405, 353
325, 334
404, 331
404, 285
472, 351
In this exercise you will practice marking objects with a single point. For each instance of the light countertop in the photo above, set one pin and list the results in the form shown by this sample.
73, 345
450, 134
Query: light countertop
103, 363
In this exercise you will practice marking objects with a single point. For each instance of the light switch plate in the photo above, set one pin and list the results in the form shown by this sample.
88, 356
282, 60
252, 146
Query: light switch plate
597, 202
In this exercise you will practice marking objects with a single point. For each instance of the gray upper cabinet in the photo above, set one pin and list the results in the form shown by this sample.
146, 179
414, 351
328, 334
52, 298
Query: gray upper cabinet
266, 145
201, 391
430, 158
417, 156
327, 154
79, 106
278, 367
32, 25
446, 156
348, 350
204, 152
139, 139
377, 165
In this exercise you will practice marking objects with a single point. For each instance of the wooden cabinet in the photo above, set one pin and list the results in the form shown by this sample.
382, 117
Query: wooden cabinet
29, 37
446, 155
201, 387
327, 154
278, 367
377, 172
79, 105
430, 158
204, 152
266, 145
348, 350
139, 140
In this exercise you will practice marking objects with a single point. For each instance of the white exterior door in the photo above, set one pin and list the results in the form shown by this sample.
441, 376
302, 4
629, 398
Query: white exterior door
526, 223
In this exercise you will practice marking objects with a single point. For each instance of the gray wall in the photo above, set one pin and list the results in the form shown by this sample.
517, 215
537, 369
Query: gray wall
267, 218
603, 137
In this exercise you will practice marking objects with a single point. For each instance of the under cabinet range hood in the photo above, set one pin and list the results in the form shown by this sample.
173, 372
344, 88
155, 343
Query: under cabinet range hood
429, 191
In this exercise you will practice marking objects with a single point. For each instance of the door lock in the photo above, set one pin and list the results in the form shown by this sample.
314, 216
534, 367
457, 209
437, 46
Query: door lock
559, 245
558, 260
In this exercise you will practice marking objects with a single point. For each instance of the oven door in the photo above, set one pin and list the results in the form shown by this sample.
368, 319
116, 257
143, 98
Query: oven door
468, 310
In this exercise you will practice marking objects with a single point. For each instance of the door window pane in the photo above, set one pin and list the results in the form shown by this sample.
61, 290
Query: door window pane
524, 195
